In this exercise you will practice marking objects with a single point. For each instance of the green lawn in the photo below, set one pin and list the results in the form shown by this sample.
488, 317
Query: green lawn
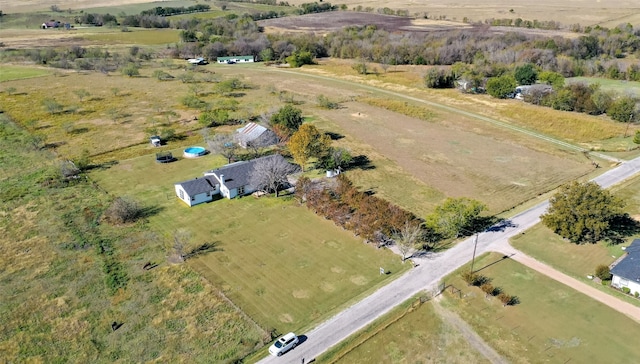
284, 266
8, 73
619, 86
406, 335
552, 323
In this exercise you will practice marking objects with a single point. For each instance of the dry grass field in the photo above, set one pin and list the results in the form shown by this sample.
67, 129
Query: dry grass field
586, 12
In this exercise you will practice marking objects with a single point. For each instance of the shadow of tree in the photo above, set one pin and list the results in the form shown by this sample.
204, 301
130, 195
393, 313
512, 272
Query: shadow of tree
150, 211
205, 248
361, 161
334, 136
621, 227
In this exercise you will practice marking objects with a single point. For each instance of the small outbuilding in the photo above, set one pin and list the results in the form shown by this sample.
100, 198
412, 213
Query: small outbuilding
627, 272
256, 134
155, 141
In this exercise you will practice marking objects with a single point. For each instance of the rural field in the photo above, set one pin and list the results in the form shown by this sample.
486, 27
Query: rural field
81, 288
551, 322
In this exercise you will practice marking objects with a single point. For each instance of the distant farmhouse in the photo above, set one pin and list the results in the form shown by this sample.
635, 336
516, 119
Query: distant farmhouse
229, 181
627, 272
236, 59
256, 134
51, 24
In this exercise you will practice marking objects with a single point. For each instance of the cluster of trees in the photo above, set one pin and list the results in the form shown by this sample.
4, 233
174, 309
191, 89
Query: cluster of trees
380, 221
365, 215
315, 7
169, 11
96, 19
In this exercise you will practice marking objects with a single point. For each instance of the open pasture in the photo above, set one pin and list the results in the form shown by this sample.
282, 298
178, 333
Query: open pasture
283, 265
136, 37
585, 12
10, 73
408, 334
551, 323
621, 87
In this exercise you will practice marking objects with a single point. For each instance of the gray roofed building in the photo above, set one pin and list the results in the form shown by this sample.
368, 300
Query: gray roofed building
238, 174
255, 133
627, 272
198, 185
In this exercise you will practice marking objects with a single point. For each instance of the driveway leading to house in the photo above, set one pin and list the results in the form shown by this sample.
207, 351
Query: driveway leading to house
433, 267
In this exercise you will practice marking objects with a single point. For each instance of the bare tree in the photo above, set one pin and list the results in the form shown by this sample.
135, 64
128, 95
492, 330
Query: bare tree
181, 241
407, 238
270, 173
225, 145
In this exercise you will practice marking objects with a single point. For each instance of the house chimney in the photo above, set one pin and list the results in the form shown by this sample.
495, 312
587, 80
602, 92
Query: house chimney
222, 179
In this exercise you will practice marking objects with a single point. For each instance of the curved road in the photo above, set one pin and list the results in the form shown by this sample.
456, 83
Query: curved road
433, 268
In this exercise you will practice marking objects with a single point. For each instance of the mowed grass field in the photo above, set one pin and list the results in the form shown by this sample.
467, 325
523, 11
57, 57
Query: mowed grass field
284, 266
135, 36
8, 73
631, 88
552, 323
409, 334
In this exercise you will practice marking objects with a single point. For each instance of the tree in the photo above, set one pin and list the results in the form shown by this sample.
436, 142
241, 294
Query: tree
336, 158
456, 216
308, 142
52, 106
123, 209
131, 70
554, 79
225, 145
299, 59
81, 94
407, 238
603, 272
622, 109
526, 74
270, 173
288, 116
582, 212
214, 117
501, 87
439, 78
636, 138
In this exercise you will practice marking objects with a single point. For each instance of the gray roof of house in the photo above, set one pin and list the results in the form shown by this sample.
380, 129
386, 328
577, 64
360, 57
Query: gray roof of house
239, 173
629, 267
198, 185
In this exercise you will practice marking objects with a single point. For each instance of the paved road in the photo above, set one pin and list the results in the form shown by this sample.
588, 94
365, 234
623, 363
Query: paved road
429, 272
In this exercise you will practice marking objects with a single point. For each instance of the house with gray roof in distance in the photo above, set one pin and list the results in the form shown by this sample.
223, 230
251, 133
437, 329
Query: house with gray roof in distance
627, 272
229, 181
255, 134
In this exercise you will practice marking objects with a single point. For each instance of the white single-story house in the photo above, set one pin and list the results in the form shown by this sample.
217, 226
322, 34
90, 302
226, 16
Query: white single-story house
627, 272
255, 133
523, 90
229, 181
236, 59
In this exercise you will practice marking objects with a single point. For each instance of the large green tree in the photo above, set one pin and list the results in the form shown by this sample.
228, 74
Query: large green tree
623, 109
526, 74
289, 117
501, 87
582, 212
455, 217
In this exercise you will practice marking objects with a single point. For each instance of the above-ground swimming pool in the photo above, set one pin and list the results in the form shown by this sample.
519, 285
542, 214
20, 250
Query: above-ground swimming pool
194, 152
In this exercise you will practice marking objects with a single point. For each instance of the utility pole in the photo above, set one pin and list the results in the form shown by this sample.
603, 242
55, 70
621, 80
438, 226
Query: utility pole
628, 123
475, 245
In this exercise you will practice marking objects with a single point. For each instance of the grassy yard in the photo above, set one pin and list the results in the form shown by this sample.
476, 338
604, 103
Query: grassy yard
552, 323
408, 334
580, 260
9, 73
621, 87
57, 304
284, 266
